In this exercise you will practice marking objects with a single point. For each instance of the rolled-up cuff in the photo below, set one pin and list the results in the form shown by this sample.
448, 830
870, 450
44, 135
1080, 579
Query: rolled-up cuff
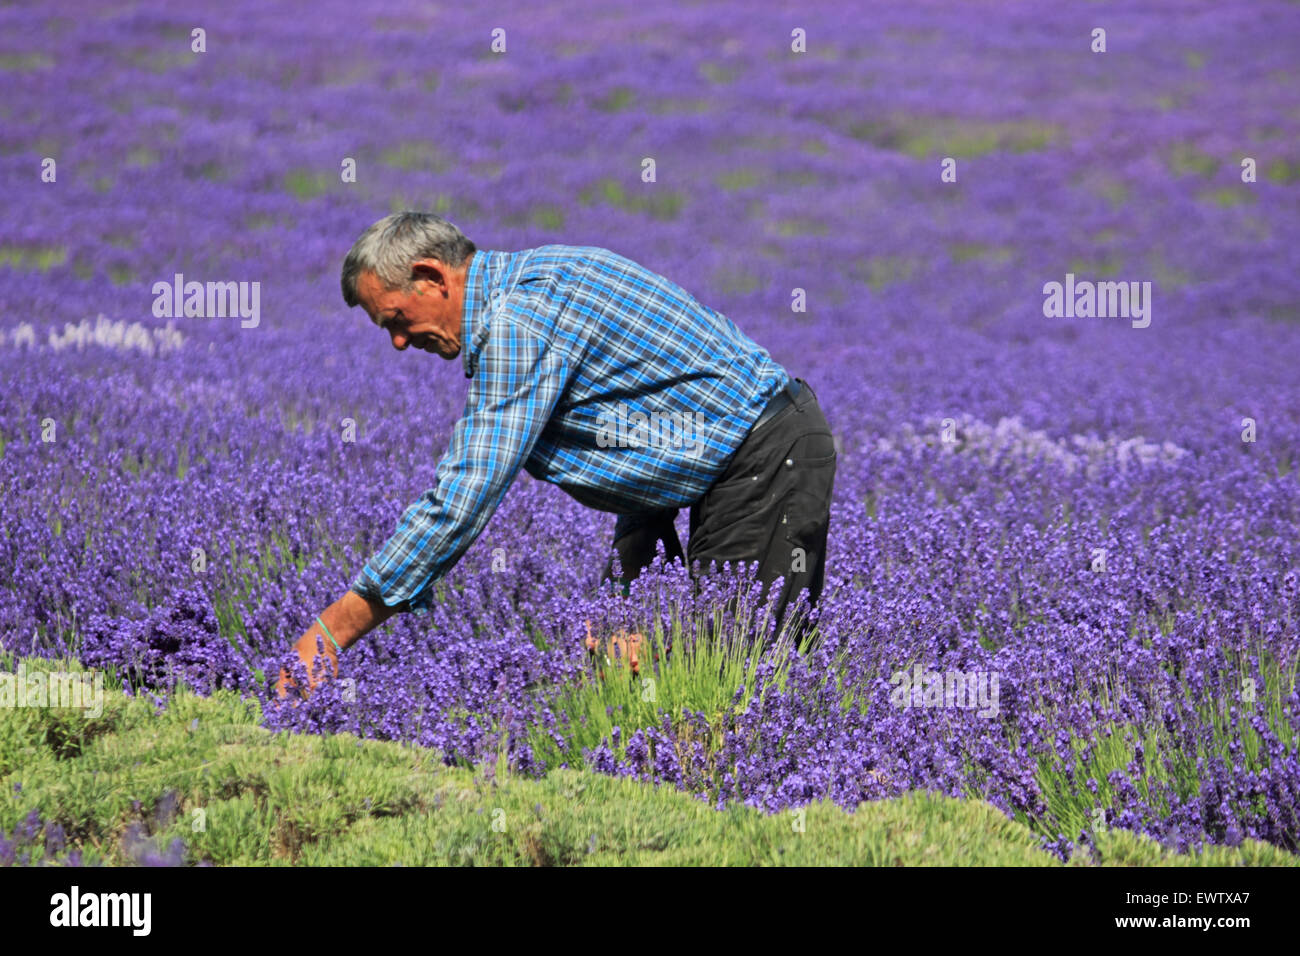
364, 585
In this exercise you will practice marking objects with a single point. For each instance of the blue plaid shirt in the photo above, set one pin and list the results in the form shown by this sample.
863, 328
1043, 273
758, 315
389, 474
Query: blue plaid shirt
589, 371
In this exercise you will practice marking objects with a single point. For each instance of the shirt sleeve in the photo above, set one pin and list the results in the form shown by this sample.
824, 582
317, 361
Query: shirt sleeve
519, 380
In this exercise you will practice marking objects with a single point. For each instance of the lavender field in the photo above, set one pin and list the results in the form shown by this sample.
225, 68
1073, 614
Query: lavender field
1095, 517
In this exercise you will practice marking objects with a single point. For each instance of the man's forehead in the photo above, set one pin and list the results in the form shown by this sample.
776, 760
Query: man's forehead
373, 295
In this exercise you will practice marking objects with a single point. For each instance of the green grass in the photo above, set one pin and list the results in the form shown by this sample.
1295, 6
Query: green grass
441, 203
162, 59
416, 156
280, 798
547, 217
25, 62
1167, 276
246, 796
543, 216
1226, 196
1106, 266
879, 271
1283, 172
736, 280
649, 199
1185, 159
797, 227
720, 75
682, 105
306, 184
697, 673
935, 136
1071, 805
616, 101
981, 252
740, 178
35, 259
1114, 192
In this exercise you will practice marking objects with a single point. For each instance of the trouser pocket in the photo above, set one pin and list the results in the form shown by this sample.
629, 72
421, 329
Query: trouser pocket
797, 548
774, 510
786, 503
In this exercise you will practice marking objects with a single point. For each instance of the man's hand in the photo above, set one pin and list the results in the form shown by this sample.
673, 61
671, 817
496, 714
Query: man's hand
620, 646
348, 619
308, 650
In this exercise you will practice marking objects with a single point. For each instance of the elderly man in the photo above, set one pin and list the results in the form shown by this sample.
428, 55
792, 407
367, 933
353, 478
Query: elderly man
592, 372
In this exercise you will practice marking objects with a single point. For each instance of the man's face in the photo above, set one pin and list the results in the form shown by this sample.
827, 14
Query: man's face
426, 316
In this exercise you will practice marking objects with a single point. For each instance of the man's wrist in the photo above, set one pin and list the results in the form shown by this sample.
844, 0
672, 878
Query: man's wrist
353, 615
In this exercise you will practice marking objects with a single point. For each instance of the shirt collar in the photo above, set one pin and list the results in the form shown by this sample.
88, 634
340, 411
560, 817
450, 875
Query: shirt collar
484, 275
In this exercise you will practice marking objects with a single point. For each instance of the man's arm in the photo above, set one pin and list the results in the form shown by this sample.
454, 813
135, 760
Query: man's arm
348, 619
520, 379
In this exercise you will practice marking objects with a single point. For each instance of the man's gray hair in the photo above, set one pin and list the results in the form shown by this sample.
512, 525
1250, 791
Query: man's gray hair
390, 246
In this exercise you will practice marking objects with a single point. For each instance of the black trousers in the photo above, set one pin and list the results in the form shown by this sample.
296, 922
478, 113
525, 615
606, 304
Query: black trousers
771, 506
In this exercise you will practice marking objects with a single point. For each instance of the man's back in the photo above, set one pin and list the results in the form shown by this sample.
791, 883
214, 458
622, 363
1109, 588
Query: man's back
627, 343
577, 356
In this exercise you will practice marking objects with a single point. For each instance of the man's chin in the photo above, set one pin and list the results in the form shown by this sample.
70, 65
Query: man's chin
433, 349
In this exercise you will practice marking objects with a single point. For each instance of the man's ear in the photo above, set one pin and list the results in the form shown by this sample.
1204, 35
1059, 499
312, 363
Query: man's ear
429, 270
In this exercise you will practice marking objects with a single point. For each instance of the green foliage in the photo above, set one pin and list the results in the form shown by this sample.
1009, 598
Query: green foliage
416, 156
1227, 196
1125, 848
651, 199
1166, 761
981, 252
880, 271
306, 184
616, 100
680, 673
924, 137
548, 216
35, 259
25, 62
720, 75
742, 177
278, 799
1283, 172
1185, 159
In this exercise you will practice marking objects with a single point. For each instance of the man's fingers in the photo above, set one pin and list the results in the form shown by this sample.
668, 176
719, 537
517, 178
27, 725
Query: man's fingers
310, 647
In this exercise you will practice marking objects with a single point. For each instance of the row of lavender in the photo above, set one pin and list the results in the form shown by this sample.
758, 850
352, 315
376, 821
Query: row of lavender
182, 495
